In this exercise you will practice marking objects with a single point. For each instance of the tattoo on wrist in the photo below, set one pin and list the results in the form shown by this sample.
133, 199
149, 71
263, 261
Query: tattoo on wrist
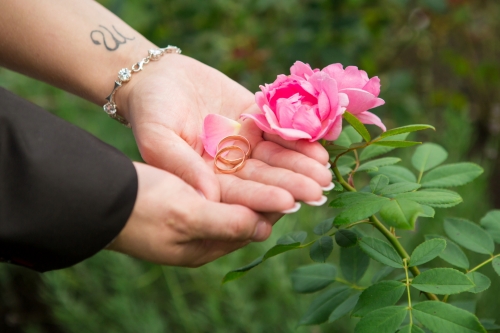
107, 34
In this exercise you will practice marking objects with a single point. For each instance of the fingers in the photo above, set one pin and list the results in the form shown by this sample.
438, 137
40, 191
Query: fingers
163, 148
256, 196
299, 186
277, 156
313, 150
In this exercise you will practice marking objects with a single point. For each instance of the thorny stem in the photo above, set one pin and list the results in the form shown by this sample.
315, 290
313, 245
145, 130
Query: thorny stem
387, 234
408, 290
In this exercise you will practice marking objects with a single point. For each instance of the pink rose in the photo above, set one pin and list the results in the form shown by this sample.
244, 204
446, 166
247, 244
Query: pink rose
362, 91
303, 105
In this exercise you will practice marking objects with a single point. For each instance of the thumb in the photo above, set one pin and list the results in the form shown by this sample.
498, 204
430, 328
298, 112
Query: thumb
168, 151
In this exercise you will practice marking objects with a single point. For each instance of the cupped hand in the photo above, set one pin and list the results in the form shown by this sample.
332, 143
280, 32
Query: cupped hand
166, 105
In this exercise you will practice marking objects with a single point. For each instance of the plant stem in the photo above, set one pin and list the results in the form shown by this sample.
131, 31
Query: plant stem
352, 285
483, 263
408, 290
387, 234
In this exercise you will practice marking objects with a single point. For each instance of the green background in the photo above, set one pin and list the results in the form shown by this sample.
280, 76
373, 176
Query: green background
438, 63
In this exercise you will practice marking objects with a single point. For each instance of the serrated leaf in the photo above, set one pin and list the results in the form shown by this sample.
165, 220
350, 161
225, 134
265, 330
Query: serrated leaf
406, 129
382, 273
433, 197
442, 281
311, 278
411, 329
428, 156
378, 183
491, 222
496, 265
346, 238
344, 308
279, 249
469, 235
353, 263
321, 249
323, 305
428, 211
441, 317
348, 136
357, 125
452, 254
397, 174
380, 162
481, 281
292, 237
364, 210
450, 175
344, 170
352, 198
381, 251
323, 227
401, 213
346, 160
338, 187
385, 320
373, 151
396, 144
427, 251
239, 272
399, 188
378, 296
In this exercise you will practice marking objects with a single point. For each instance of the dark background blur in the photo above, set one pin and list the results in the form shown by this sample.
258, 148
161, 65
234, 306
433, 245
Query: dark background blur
439, 64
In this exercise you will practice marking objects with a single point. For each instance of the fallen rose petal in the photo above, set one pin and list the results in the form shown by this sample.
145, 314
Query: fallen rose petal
215, 128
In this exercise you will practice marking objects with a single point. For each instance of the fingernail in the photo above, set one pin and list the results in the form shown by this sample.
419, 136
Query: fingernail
295, 208
328, 165
317, 203
329, 187
201, 193
260, 233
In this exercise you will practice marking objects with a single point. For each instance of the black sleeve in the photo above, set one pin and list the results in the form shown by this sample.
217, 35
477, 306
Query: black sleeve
64, 194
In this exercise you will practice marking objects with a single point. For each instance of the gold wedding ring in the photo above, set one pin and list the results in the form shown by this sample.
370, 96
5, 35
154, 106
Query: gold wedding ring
235, 138
234, 165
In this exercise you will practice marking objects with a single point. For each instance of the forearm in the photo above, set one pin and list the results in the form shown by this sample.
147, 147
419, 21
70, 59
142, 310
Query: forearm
76, 45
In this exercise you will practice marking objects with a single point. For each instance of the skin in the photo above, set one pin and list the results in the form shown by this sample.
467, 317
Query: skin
185, 214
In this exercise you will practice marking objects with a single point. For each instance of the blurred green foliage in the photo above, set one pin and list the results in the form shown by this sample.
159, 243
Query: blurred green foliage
438, 62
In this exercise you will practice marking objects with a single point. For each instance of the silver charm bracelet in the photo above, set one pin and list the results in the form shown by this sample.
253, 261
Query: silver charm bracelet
124, 76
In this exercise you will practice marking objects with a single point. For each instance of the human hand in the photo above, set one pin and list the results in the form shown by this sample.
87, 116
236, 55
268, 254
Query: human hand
172, 224
166, 105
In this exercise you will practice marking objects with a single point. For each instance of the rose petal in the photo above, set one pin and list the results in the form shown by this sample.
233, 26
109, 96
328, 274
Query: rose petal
306, 120
288, 89
328, 97
260, 99
301, 69
335, 130
260, 121
373, 86
215, 128
352, 78
291, 134
360, 100
335, 71
369, 118
285, 110
326, 127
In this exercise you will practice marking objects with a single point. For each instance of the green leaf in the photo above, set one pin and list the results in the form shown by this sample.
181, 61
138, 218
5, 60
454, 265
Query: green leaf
357, 213
469, 235
491, 222
344, 308
375, 164
378, 183
321, 307
489, 324
428, 156
401, 213
428, 211
338, 187
452, 254
381, 251
346, 238
378, 296
427, 251
352, 198
441, 317
357, 125
279, 249
321, 249
239, 272
399, 188
496, 265
353, 263
442, 281
311, 278
481, 281
346, 160
334, 150
344, 170
385, 320
323, 227
406, 129
433, 197
396, 144
450, 175
382, 273
397, 174
373, 151
292, 237
410, 329
348, 136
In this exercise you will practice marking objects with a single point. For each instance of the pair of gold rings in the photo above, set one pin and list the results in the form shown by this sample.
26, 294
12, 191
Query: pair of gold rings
224, 165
